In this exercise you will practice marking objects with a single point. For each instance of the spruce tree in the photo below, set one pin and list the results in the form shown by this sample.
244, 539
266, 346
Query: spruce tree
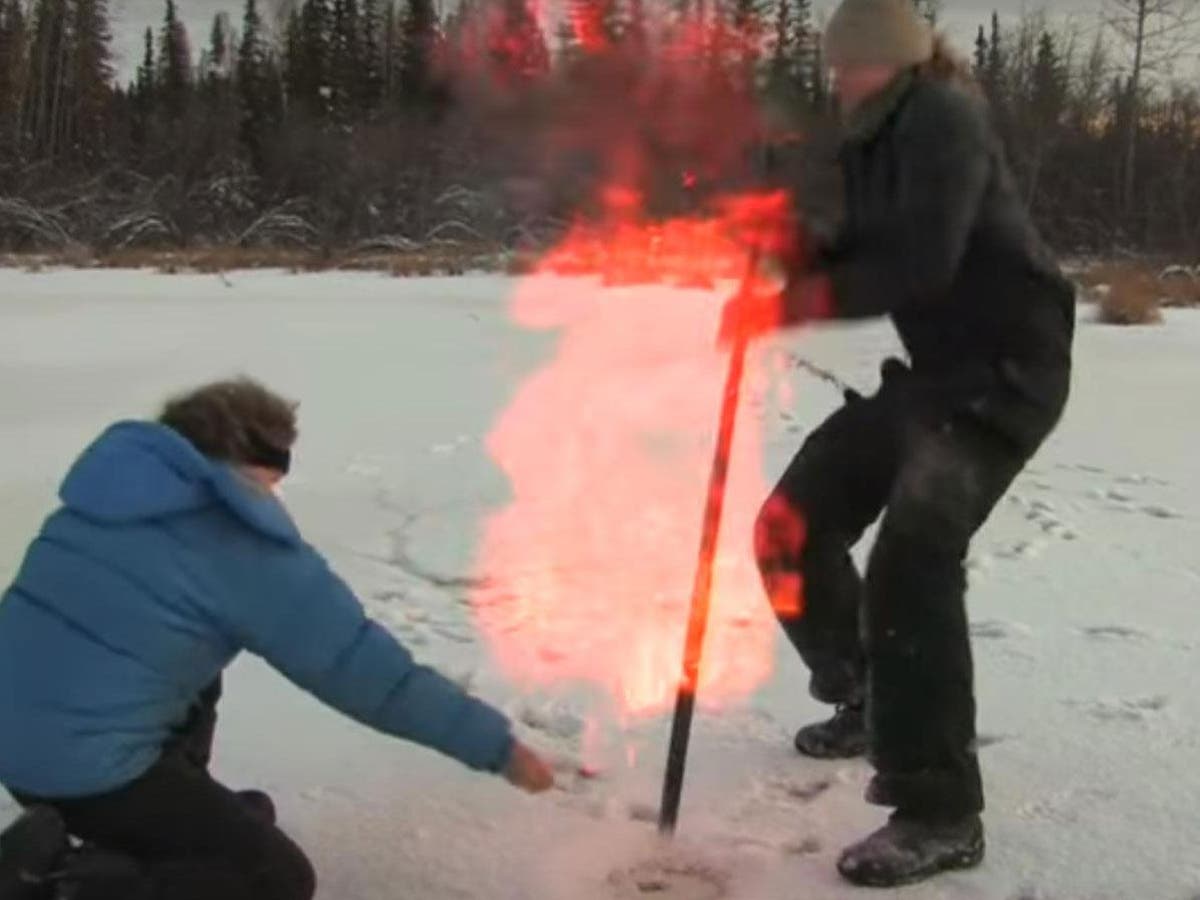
818, 80
174, 62
147, 73
47, 99
746, 18
259, 86
91, 76
803, 48
994, 75
518, 53
373, 74
391, 51
418, 39
1049, 85
345, 61
13, 70
312, 79
779, 66
218, 58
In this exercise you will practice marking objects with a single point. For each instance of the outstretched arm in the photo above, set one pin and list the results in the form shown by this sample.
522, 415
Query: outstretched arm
317, 634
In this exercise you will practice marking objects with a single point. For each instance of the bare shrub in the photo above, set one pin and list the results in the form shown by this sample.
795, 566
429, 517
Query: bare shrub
1134, 297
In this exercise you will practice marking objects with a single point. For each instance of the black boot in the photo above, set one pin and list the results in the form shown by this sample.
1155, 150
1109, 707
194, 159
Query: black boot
30, 850
89, 873
842, 737
909, 849
259, 804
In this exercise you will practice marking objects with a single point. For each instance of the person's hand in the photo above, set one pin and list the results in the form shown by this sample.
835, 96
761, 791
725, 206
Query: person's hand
754, 313
528, 771
750, 314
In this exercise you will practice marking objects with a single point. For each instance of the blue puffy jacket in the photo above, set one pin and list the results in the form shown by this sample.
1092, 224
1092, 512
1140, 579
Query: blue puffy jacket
160, 567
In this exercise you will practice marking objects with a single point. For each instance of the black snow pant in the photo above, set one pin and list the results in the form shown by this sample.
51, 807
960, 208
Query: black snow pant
897, 639
192, 838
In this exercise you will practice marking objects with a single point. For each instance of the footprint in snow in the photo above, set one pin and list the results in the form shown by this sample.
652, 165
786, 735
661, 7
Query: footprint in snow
1115, 633
980, 563
1066, 807
555, 722
448, 447
643, 812
1122, 499
798, 791
1022, 550
455, 633
808, 846
673, 879
995, 629
1136, 478
1044, 515
1131, 710
325, 794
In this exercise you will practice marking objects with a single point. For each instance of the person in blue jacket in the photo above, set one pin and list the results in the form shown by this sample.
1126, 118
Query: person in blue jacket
169, 556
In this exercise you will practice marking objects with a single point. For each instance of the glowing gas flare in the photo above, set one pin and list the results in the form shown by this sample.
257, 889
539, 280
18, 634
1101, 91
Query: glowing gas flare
607, 447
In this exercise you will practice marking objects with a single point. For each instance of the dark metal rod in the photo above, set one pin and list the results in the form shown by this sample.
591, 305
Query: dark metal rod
685, 697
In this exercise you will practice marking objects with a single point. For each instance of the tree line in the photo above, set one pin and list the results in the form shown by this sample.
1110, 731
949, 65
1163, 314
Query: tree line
337, 123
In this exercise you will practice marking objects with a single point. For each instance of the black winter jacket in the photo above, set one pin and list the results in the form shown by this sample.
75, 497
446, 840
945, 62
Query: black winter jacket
936, 236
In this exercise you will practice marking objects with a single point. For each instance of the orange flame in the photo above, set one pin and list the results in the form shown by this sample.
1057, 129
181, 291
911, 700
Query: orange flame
608, 447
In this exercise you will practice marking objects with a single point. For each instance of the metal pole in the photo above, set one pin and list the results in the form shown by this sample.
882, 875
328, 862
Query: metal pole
685, 697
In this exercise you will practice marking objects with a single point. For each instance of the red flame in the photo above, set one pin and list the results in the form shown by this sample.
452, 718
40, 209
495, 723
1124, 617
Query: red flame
608, 447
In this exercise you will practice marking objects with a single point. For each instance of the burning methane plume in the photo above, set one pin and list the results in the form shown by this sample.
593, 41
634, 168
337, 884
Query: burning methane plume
608, 447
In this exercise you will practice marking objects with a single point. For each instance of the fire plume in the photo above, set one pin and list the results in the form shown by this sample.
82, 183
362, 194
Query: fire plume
607, 447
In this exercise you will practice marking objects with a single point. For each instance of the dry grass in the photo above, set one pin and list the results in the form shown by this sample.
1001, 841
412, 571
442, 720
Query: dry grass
1132, 298
448, 259
1125, 292
1135, 293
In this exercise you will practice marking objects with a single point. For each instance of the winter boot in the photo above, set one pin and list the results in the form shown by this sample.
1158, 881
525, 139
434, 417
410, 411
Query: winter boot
30, 850
89, 873
259, 804
842, 737
908, 849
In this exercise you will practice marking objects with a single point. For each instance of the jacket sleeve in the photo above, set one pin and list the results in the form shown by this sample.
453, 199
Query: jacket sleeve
316, 633
914, 251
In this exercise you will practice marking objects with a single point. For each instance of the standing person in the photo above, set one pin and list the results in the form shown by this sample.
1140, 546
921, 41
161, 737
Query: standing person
935, 236
170, 555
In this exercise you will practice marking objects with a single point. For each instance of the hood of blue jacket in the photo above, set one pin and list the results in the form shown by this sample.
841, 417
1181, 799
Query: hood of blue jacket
139, 471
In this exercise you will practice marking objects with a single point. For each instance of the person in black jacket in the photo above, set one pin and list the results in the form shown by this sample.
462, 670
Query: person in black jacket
936, 237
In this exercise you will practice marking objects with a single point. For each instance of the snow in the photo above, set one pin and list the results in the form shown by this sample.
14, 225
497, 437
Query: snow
1084, 591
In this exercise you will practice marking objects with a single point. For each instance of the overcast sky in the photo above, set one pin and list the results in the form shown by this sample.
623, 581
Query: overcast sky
961, 19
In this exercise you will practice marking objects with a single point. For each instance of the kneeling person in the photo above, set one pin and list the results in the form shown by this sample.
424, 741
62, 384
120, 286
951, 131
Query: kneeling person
169, 556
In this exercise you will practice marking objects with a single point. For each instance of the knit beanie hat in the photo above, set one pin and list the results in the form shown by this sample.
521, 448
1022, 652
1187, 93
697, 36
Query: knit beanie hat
877, 32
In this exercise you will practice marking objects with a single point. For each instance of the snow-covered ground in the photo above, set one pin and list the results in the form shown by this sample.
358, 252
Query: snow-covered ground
1085, 595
